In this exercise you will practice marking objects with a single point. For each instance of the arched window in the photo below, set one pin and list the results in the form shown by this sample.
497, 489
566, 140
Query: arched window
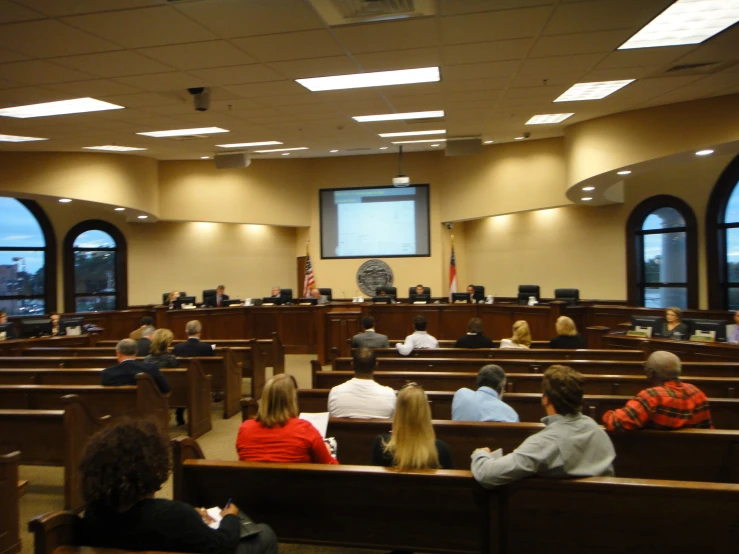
95, 268
27, 259
722, 240
662, 254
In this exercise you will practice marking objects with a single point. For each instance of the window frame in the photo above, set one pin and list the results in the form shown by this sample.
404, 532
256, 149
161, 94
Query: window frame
121, 263
50, 260
636, 283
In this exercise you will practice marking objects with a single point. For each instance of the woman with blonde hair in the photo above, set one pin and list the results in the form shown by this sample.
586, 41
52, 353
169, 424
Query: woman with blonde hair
159, 354
521, 336
174, 295
412, 444
276, 434
567, 335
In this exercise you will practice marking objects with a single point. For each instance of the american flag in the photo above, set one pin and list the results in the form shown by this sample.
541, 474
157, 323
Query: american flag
452, 275
310, 281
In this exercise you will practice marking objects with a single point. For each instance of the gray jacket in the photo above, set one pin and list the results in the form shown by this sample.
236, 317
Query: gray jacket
370, 339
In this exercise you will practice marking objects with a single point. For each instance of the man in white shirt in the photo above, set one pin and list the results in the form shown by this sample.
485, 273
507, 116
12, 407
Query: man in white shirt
362, 397
419, 339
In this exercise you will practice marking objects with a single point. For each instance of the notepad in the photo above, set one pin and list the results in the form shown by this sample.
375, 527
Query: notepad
248, 527
318, 419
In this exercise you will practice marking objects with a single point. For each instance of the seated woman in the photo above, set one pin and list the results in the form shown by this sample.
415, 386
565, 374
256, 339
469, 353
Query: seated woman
567, 335
174, 295
122, 467
159, 354
56, 330
276, 434
672, 326
412, 444
521, 336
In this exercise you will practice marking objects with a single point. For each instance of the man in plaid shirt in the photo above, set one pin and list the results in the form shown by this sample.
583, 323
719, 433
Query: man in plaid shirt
669, 404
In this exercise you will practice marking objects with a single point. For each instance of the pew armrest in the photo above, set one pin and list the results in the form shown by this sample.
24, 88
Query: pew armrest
54, 529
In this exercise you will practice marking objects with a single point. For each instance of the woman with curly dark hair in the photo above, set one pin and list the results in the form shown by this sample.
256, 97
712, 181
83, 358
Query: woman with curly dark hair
122, 468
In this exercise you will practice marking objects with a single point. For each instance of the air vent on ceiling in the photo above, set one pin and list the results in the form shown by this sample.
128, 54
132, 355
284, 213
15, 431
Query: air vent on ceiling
189, 137
345, 12
696, 68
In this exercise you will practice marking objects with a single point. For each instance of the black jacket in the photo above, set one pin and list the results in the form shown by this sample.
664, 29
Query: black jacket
212, 301
566, 341
124, 373
142, 347
474, 341
193, 347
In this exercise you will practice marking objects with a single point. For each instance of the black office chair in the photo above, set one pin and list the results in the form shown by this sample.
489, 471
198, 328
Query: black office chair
390, 291
524, 291
412, 291
326, 293
287, 295
166, 295
479, 292
208, 294
571, 296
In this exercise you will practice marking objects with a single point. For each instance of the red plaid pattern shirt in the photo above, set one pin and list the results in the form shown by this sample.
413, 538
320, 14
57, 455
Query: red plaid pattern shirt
674, 405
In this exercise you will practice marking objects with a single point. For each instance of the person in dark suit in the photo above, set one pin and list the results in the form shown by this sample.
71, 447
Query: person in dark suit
567, 335
143, 345
193, 346
475, 296
124, 372
474, 337
369, 338
219, 299
277, 296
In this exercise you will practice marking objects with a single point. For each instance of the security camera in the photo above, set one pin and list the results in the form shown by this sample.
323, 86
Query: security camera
526, 134
201, 98
449, 225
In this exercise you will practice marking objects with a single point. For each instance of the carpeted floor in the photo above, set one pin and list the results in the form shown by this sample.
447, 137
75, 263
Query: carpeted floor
45, 490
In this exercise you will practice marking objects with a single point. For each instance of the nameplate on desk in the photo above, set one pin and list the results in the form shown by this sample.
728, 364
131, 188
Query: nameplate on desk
702, 338
420, 302
3, 335
642, 334
189, 306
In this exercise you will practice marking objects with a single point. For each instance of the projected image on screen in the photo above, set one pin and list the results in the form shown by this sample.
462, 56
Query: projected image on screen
375, 222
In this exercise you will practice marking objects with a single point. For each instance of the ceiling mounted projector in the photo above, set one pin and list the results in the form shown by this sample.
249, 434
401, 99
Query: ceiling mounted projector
401, 180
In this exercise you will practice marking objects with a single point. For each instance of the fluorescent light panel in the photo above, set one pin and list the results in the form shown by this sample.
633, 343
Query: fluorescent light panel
588, 188
247, 144
704, 152
113, 148
280, 150
548, 118
375, 79
686, 22
586, 199
14, 138
184, 132
399, 116
416, 141
413, 133
62, 107
592, 91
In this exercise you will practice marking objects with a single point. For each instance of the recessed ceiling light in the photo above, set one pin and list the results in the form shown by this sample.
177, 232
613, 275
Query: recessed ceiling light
65, 200
119, 209
333, 151
489, 142
247, 144
588, 188
375, 79
416, 141
586, 198
280, 150
624, 172
204, 157
14, 138
285, 154
686, 22
184, 132
399, 116
434, 145
592, 91
113, 148
544, 119
704, 152
383, 147
143, 216
519, 138
413, 133
62, 107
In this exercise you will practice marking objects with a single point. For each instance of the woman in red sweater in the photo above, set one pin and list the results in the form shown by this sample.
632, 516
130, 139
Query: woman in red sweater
276, 434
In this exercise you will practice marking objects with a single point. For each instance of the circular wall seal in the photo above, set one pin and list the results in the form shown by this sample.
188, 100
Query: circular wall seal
372, 274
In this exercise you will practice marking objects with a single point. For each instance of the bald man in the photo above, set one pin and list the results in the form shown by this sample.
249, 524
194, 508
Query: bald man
669, 404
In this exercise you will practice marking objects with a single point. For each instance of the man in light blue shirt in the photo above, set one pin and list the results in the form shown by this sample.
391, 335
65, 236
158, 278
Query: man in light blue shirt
571, 444
485, 403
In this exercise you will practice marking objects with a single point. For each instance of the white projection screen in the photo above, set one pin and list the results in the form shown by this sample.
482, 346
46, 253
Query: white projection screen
375, 222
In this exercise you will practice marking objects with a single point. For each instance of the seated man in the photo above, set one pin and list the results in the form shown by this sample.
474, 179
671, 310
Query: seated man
733, 337
144, 343
473, 295
277, 295
669, 404
219, 299
474, 337
419, 292
315, 293
362, 396
193, 346
485, 403
571, 444
9, 333
146, 321
124, 373
369, 338
419, 339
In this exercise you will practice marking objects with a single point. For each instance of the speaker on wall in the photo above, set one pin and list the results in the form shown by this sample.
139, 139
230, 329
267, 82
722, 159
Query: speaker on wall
463, 147
232, 160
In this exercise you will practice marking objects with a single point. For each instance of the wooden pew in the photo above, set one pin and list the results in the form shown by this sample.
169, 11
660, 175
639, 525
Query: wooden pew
15, 347
713, 387
590, 367
10, 540
511, 354
142, 400
52, 438
724, 411
190, 386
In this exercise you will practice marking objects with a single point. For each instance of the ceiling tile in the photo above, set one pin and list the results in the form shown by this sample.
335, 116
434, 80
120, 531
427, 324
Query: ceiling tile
488, 70
579, 43
544, 67
399, 59
536, 81
619, 74
114, 64
718, 49
11, 12
162, 81
481, 27
236, 75
28, 95
231, 19
454, 7
40, 72
198, 55
143, 27
475, 84
386, 36
316, 67
290, 46
49, 38
55, 8
409, 90
8, 56
290, 100
486, 51
644, 57
95, 88
603, 15
275, 88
